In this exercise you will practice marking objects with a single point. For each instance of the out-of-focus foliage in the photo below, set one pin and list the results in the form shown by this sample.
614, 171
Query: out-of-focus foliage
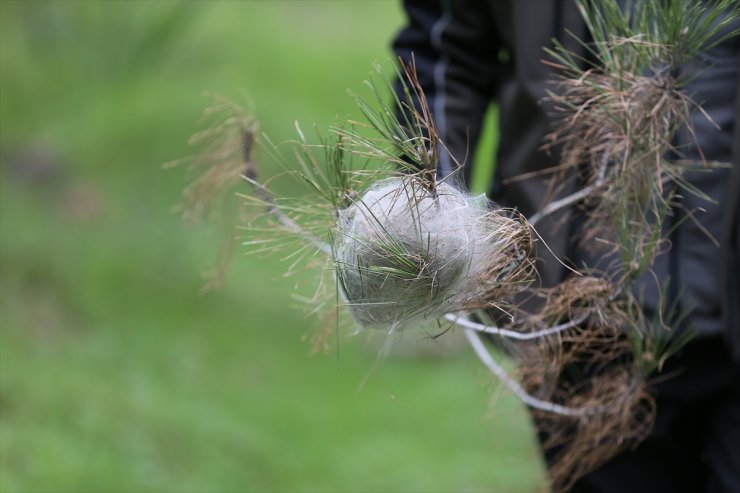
115, 374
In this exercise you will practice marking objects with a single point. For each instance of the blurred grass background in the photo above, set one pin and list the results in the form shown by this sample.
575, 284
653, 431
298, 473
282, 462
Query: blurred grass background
115, 374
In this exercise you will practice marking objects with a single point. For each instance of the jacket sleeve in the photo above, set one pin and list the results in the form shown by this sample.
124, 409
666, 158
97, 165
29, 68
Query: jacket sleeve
455, 48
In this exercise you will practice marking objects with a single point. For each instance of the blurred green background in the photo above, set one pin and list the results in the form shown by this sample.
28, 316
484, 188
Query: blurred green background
116, 375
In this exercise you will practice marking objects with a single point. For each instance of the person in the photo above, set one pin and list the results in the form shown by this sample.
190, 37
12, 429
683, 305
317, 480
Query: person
470, 53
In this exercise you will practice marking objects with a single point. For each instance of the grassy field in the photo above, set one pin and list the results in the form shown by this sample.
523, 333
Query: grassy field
116, 375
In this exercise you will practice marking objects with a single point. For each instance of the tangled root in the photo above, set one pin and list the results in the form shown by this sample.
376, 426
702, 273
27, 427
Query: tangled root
592, 366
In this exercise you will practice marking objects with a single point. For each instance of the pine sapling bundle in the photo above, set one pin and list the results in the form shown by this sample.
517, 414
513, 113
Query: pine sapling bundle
409, 248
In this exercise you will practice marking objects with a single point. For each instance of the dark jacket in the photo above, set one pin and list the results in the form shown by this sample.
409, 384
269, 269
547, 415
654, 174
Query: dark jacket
470, 53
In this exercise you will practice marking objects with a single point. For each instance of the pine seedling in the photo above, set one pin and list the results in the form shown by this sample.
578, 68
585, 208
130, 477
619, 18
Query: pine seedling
407, 247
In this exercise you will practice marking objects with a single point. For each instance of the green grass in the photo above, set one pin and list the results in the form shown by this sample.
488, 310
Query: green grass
115, 374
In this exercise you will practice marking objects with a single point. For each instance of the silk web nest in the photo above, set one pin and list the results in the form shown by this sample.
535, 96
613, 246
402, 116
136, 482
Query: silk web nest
407, 253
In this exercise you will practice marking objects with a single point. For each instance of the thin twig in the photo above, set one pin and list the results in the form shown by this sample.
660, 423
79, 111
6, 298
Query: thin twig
486, 358
251, 175
555, 206
288, 223
512, 334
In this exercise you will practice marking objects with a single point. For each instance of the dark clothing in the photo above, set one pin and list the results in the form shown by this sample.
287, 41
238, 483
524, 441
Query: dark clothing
695, 443
470, 53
